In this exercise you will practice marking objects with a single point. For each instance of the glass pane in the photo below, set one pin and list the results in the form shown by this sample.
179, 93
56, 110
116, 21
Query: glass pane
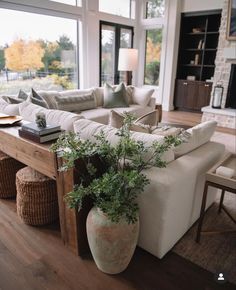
69, 2
108, 54
125, 42
121, 7
153, 56
155, 8
39, 56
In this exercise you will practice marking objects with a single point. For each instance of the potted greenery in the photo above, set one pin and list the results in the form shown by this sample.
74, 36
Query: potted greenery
112, 177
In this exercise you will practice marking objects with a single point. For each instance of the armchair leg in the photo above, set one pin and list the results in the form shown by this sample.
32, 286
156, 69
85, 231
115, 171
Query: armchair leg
158, 107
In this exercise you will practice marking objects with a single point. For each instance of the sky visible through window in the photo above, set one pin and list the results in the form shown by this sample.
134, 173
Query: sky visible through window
30, 26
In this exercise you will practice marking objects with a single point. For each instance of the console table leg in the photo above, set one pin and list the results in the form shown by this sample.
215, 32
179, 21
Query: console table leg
221, 200
202, 213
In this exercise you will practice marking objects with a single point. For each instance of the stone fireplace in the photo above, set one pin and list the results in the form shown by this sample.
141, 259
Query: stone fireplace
225, 72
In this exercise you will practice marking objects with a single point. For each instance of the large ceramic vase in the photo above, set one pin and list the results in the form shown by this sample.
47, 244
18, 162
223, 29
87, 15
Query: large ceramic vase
112, 244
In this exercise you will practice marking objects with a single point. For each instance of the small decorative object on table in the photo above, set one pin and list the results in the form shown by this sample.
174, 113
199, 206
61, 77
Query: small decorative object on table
41, 120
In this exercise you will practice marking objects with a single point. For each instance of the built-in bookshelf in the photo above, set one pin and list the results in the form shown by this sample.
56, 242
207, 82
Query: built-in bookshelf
197, 52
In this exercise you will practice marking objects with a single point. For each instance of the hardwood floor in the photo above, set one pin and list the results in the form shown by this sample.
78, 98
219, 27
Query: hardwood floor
34, 258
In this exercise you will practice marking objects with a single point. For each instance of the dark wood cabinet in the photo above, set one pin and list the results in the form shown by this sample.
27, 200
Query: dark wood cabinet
192, 95
196, 59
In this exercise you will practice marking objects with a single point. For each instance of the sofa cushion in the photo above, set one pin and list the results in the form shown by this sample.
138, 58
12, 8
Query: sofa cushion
87, 129
9, 109
115, 97
22, 95
142, 96
116, 120
199, 135
49, 98
36, 99
12, 100
53, 117
150, 118
75, 103
100, 115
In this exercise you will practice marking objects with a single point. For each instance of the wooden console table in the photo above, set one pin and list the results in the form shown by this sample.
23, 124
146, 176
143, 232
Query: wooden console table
218, 181
39, 157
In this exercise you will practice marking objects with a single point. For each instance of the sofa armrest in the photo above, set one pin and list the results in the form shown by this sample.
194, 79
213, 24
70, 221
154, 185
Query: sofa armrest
158, 107
171, 202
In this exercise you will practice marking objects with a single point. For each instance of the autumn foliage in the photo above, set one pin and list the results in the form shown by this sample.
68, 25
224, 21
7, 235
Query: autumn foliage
24, 56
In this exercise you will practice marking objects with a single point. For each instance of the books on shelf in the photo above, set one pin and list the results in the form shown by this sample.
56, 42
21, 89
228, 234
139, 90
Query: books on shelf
39, 138
34, 129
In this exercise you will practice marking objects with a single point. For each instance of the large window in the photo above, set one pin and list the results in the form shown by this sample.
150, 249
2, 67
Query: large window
40, 56
113, 36
123, 8
153, 25
153, 56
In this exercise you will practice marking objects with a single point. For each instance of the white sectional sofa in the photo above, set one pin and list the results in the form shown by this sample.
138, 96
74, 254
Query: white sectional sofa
140, 102
171, 202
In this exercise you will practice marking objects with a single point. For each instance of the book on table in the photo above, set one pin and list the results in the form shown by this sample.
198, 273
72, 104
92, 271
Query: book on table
34, 129
39, 138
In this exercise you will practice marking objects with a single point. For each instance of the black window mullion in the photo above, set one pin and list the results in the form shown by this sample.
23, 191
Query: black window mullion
118, 28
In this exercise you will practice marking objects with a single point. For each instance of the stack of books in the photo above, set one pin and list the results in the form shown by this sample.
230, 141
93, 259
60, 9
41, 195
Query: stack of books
40, 135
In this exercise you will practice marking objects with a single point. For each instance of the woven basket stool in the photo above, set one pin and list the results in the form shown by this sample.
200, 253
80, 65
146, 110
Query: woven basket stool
8, 169
36, 197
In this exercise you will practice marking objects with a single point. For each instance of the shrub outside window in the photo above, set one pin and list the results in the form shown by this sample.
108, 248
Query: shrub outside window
153, 56
155, 8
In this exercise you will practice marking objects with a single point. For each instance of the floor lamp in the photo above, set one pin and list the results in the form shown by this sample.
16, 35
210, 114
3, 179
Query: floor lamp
128, 61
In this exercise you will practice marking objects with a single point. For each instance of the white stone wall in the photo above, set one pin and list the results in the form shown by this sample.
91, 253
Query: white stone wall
222, 69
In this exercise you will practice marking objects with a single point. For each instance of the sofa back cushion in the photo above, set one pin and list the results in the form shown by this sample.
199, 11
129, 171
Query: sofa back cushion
199, 135
87, 129
53, 117
76, 103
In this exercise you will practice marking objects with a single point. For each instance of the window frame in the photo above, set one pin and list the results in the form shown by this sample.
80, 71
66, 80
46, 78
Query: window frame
118, 28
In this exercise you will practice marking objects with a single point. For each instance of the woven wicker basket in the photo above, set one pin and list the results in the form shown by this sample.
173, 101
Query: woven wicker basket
36, 197
8, 169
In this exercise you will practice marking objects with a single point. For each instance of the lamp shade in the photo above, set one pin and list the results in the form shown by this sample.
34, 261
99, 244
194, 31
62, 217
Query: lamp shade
128, 59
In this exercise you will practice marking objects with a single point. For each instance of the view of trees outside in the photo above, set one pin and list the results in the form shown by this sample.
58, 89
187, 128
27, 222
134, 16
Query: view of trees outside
29, 60
153, 56
155, 8
108, 54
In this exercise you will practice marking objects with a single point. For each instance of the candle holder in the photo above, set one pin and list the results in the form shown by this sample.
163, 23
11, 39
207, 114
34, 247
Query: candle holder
217, 96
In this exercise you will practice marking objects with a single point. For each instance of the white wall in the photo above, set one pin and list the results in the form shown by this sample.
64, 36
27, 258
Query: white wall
201, 5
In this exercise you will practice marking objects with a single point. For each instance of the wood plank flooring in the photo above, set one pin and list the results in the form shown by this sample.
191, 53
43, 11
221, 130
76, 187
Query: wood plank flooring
34, 258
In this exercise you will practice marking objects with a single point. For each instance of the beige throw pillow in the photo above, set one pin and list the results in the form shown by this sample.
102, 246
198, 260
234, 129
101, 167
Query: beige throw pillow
142, 96
142, 124
150, 118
